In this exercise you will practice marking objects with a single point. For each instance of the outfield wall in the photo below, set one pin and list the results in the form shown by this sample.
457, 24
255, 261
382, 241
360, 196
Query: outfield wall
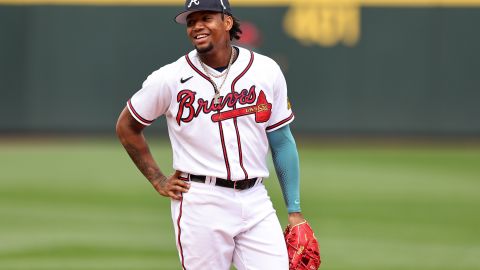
353, 70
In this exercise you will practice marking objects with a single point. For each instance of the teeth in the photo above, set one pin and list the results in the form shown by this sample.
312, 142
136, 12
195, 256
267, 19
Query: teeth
200, 36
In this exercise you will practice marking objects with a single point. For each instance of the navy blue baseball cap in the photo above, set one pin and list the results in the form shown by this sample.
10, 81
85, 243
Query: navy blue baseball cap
203, 5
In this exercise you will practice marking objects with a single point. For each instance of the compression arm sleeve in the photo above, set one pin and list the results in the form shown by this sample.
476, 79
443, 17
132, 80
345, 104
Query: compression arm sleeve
285, 160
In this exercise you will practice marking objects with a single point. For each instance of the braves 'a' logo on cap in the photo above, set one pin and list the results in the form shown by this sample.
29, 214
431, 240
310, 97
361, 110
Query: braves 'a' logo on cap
221, 2
196, 2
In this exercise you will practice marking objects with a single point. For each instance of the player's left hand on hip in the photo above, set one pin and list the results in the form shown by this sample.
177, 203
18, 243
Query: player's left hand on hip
171, 186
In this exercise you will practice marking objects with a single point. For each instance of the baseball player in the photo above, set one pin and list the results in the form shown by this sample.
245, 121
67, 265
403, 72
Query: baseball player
224, 106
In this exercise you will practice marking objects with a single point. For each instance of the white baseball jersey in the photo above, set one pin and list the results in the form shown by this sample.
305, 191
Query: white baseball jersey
227, 140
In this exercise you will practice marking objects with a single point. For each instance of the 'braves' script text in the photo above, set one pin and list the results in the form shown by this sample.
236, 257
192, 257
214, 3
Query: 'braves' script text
191, 109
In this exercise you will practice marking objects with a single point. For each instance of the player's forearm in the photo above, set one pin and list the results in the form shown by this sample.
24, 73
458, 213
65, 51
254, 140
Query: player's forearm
140, 154
131, 136
286, 162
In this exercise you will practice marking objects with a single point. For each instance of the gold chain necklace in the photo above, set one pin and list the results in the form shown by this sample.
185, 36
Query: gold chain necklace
223, 74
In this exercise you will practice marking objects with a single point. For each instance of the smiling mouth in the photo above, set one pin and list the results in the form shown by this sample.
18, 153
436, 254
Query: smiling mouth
200, 36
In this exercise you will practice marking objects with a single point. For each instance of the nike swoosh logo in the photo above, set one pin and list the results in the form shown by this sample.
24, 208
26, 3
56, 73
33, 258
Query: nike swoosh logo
185, 80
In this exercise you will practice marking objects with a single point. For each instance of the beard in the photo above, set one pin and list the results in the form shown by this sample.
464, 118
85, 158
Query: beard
205, 49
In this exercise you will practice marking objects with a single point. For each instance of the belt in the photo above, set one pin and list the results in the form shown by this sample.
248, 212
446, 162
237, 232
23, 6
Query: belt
240, 184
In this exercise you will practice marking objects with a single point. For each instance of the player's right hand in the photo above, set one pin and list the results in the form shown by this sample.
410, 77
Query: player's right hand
171, 186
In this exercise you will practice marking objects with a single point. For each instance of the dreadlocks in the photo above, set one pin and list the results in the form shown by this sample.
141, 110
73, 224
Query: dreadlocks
235, 31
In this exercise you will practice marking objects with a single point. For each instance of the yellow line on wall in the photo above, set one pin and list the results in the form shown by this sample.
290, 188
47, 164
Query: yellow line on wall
93, 2
253, 3
373, 3
420, 3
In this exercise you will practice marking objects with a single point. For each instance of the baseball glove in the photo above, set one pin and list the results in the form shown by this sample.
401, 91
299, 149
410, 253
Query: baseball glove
302, 247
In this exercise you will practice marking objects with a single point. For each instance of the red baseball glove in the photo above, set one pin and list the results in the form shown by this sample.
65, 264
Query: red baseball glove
302, 247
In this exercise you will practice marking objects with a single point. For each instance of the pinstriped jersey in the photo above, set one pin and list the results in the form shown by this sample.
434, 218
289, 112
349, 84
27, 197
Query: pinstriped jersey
225, 139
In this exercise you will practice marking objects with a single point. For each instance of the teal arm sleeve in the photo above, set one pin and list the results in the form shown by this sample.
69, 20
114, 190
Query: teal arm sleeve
285, 160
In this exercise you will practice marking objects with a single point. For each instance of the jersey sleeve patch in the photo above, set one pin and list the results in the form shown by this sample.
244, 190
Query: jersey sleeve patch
137, 116
281, 123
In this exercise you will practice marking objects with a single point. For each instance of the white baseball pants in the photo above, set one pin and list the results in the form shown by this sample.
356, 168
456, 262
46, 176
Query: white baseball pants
216, 227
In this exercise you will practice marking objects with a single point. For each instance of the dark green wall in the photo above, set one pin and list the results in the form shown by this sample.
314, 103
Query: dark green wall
414, 71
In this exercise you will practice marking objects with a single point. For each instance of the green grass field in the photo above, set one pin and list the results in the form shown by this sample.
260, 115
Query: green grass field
81, 204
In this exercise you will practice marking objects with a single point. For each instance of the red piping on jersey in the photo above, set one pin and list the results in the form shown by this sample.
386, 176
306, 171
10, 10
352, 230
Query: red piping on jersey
240, 156
179, 233
225, 157
197, 70
148, 122
224, 148
281, 122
